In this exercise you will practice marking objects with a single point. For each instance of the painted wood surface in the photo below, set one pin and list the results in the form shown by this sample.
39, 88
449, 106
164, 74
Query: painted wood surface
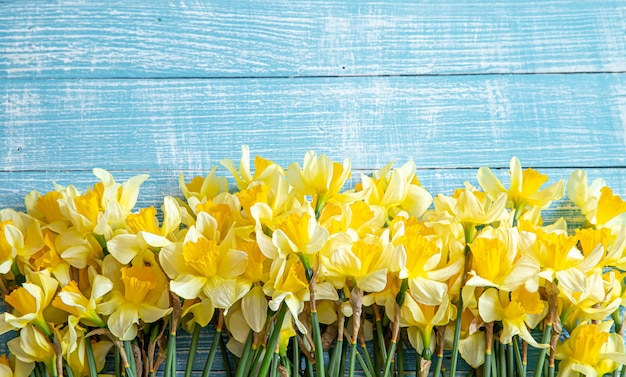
175, 86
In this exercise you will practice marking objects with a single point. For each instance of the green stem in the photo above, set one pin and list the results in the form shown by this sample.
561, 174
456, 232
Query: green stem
93, 371
368, 359
317, 340
352, 359
510, 360
208, 365
296, 357
487, 364
274, 368
333, 366
502, 360
459, 311
400, 353
284, 361
542, 352
364, 367
118, 362
131, 370
242, 368
191, 357
388, 362
170, 361
225, 357
308, 372
269, 347
380, 336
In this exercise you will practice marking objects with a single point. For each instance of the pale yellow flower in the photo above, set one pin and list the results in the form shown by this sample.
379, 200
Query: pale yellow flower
29, 302
265, 170
20, 238
320, 178
201, 265
525, 189
497, 260
5, 367
73, 301
140, 293
74, 350
597, 202
520, 312
396, 191
49, 258
590, 350
31, 347
203, 187
421, 319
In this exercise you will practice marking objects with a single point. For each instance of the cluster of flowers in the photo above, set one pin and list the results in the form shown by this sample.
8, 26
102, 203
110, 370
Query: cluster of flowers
292, 263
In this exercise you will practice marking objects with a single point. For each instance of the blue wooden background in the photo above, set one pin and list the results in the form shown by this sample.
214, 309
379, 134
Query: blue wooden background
164, 87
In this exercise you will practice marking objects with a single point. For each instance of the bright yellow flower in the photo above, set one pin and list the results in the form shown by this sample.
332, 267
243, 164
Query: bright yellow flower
199, 265
48, 258
319, 177
74, 302
591, 351
29, 302
198, 311
74, 350
288, 285
299, 232
497, 260
203, 187
525, 189
357, 216
243, 177
397, 191
139, 293
20, 238
149, 235
597, 202
421, 320
523, 310
583, 298
364, 264
32, 346
421, 260
469, 209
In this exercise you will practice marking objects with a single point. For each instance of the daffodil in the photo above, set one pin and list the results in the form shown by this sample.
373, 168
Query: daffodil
421, 319
29, 302
74, 349
590, 350
469, 208
145, 232
200, 265
203, 187
49, 258
423, 263
32, 346
364, 264
525, 189
72, 300
519, 311
288, 285
20, 238
320, 178
497, 260
264, 169
5, 367
46, 208
584, 299
597, 202
139, 294
396, 190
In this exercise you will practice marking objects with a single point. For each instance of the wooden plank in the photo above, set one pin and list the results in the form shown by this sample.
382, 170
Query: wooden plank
441, 121
195, 38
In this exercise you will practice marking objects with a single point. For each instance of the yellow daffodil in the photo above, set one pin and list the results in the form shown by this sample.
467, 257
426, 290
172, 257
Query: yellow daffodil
525, 189
203, 187
31, 347
584, 299
139, 293
363, 264
74, 350
320, 178
254, 308
597, 202
72, 300
20, 238
46, 209
520, 312
356, 217
497, 260
397, 191
591, 351
288, 285
197, 312
420, 257
48, 258
29, 302
199, 265
469, 208
145, 232
264, 169
299, 232
421, 320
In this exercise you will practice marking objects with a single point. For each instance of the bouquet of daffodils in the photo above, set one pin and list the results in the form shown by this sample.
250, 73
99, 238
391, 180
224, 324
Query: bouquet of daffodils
299, 275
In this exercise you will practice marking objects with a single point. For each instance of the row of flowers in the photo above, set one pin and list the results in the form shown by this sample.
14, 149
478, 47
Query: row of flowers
299, 274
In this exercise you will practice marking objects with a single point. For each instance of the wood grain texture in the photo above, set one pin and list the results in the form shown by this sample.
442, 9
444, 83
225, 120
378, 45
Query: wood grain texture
545, 120
193, 38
